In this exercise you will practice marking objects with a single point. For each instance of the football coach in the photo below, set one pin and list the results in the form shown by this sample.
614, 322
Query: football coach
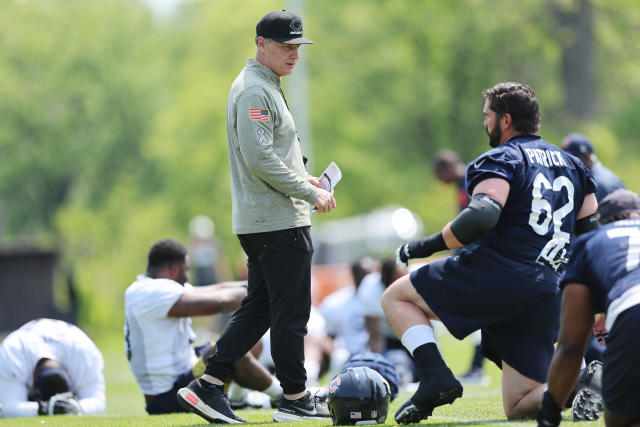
272, 195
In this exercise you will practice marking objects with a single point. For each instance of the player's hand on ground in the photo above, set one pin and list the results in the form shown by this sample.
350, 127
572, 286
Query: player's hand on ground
402, 255
325, 201
60, 404
549, 413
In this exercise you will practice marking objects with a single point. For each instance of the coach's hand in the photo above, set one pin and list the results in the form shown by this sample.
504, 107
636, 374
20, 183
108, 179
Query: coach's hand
549, 413
325, 201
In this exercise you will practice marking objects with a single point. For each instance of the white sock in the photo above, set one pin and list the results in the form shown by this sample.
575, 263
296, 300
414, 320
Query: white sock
237, 392
417, 335
274, 390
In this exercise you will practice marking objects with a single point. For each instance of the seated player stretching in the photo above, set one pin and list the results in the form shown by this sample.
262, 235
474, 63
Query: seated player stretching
158, 334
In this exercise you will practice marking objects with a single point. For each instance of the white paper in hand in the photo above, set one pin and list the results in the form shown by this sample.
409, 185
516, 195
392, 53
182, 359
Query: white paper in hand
331, 176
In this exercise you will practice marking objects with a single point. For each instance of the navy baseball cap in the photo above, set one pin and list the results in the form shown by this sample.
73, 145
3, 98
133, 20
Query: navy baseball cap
577, 144
282, 26
618, 203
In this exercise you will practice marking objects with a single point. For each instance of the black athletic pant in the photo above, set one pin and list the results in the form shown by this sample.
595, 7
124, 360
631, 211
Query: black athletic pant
279, 296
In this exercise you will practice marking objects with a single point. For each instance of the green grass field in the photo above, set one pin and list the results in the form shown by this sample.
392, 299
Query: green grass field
480, 405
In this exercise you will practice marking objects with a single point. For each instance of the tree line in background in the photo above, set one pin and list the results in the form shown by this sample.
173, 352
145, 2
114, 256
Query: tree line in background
113, 121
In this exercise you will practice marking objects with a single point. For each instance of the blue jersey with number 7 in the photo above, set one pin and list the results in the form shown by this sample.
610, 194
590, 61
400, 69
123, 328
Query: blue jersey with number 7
547, 189
607, 261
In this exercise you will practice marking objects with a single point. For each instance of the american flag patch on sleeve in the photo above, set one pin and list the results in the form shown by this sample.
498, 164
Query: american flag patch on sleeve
258, 114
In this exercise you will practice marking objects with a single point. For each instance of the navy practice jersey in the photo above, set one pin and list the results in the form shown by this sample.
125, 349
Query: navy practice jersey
547, 189
606, 260
463, 196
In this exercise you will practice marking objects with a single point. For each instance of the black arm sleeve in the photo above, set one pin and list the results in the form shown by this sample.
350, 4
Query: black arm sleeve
424, 247
586, 224
480, 216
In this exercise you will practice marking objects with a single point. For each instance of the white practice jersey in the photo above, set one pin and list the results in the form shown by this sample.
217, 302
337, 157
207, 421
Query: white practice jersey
316, 325
59, 341
370, 296
345, 321
159, 347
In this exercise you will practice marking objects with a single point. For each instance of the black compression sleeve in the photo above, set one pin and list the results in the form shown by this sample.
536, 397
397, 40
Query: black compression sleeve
480, 216
586, 224
424, 247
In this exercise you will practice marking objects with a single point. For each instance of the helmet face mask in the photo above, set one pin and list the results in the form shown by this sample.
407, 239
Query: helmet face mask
358, 395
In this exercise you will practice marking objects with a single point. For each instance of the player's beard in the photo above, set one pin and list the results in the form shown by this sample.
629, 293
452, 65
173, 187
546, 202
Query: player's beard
495, 135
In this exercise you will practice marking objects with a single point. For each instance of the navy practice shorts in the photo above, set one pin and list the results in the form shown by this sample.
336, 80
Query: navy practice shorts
479, 289
167, 403
621, 371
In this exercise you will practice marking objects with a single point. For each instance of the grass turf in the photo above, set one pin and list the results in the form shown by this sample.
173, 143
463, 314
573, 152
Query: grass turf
480, 405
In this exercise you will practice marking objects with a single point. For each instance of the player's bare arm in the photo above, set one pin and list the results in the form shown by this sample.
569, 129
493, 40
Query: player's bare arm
589, 206
376, 341
233, 284
197, 302
575, 324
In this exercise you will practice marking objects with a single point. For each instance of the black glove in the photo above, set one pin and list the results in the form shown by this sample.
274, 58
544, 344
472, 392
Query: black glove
59, 404
421, 248
402, 255
549, 413
43, 407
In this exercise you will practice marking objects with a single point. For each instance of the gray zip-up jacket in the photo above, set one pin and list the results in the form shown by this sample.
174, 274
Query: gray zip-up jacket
269, 190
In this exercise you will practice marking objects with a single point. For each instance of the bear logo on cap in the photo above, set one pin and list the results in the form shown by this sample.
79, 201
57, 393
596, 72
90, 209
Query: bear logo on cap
296, 26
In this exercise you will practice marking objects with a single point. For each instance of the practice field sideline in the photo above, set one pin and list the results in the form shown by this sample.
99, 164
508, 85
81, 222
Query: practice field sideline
480, 405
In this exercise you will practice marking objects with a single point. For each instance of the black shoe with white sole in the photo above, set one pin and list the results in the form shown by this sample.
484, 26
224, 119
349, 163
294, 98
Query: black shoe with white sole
308, 407
208, 401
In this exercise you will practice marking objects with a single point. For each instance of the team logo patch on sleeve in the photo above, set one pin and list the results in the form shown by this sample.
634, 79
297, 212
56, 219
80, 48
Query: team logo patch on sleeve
262, 138
258, 114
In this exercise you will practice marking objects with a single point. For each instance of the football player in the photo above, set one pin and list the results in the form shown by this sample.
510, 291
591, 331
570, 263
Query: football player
158, 333
528, 198
50, 367
449, 169
603, 278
